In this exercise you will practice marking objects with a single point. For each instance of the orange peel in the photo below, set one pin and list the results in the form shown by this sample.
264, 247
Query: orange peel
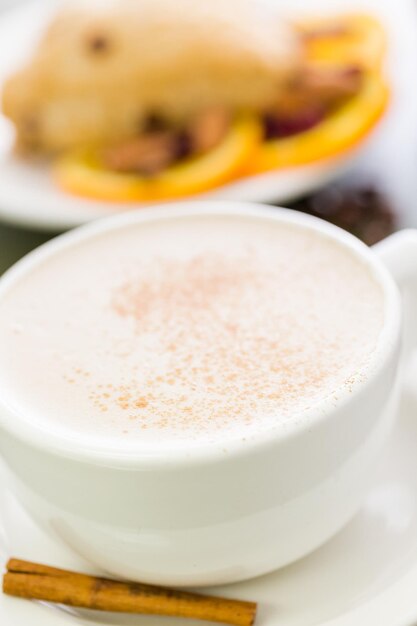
360, 41
336, 134
83, 174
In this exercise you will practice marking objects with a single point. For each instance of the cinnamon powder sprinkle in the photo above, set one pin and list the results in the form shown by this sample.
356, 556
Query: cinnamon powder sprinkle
216, 343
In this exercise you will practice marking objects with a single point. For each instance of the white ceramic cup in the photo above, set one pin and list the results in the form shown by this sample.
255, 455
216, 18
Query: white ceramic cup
209, 517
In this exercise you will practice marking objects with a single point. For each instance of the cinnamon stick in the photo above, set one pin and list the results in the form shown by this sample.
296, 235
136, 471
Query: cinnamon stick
41, 582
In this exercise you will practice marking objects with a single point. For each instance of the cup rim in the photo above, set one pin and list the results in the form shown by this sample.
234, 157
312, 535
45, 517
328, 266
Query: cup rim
148, 456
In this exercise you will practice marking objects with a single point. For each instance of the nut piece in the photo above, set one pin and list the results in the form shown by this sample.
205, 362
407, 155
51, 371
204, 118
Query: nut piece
324, 86
208, 128
332, 84
147, 154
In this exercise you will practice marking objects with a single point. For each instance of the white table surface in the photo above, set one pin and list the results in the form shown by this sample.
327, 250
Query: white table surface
390, 161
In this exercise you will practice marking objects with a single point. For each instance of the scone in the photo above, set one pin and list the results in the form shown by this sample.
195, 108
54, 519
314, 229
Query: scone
103, 68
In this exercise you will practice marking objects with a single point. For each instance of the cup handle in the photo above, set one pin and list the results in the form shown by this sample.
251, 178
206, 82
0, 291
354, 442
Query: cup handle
399, 254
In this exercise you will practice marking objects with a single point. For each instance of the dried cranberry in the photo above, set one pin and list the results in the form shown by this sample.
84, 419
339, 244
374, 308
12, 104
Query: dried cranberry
277, 126
183, 147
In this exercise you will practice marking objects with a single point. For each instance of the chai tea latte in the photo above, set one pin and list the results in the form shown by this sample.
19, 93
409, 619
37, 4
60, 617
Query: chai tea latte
189, 328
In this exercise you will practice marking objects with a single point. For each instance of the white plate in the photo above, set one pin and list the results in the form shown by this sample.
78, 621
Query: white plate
365, 576
27, 193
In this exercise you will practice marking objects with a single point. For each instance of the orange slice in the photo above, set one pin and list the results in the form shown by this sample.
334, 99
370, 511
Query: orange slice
83, 174
336, 134
359, 39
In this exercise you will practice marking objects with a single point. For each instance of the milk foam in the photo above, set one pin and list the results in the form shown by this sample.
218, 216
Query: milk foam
195, 328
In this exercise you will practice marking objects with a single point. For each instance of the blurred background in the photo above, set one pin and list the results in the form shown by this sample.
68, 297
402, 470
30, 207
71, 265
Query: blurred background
371, 194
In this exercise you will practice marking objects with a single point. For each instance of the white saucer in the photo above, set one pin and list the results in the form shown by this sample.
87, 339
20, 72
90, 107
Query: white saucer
29, 197
365, 576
